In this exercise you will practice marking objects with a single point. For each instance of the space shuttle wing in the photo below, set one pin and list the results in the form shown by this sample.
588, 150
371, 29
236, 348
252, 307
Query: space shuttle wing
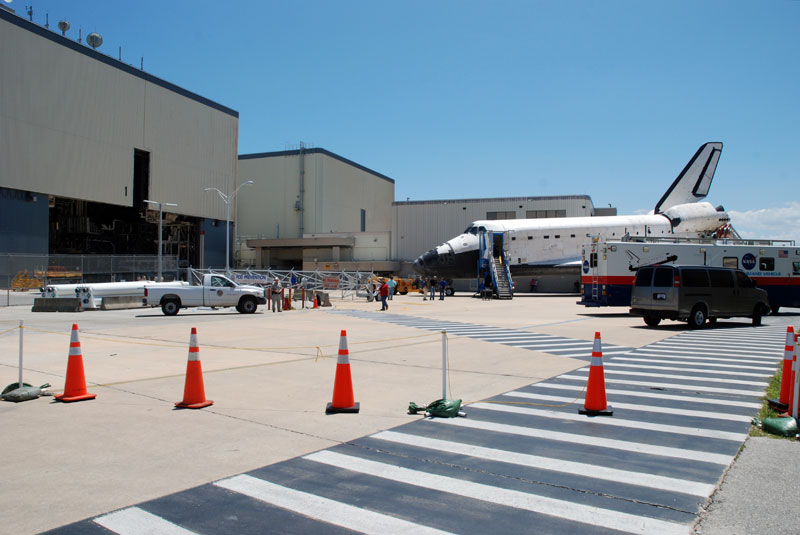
694, 181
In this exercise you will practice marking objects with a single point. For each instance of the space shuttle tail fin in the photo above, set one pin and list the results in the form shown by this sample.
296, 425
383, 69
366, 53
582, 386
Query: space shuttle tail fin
694, 181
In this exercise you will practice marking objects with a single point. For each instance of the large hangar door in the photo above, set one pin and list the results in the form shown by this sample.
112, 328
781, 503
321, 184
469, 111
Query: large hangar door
141, 177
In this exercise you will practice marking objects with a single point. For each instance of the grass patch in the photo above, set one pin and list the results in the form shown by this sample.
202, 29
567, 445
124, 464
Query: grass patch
773, 392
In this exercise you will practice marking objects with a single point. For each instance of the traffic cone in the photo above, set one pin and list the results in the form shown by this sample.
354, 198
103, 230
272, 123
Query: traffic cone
785, 398
75, 385
194, 394
595, 402
343, 399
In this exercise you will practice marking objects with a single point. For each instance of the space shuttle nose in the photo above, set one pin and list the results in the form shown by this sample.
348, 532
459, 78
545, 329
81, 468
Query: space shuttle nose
424, 262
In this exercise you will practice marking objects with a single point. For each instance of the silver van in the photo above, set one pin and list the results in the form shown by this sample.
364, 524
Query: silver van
696, 294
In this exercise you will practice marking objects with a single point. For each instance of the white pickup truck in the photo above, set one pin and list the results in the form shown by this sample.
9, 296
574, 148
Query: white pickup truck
216, 291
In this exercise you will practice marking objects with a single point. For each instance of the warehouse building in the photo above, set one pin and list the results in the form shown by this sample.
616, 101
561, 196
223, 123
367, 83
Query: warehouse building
311, 209
85, 139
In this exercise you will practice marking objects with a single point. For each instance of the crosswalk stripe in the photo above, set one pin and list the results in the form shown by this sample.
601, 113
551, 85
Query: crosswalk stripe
584, 514
705, 354
587, 439
616, 422
640, 407
698, 361
732, 350
549, 463
659, 395
323, 509
655, 384
615, 364
136, 521
682, 377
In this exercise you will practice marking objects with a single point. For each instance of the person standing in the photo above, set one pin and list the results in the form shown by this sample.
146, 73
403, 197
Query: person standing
442, 288
392, 284
384, 293
432, 286
277, 292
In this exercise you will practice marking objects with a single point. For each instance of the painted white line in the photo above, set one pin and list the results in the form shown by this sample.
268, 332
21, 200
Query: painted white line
136, 521
659, 395
705, 354
654, 384
615, 422
549, 463
615, 364
557, 344
682, 377
732, 351
639, 407
574, 512
322, 509
587, 440
700, 361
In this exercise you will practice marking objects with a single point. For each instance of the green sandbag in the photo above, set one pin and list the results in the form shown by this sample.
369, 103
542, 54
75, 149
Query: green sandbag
785, 427
442, 408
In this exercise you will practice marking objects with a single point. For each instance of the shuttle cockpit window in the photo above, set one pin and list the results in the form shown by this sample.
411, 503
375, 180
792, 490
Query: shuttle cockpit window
471, 230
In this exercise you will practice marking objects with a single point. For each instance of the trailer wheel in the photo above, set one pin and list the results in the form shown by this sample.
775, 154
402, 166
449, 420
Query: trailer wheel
247, 305
170, 307
449, 292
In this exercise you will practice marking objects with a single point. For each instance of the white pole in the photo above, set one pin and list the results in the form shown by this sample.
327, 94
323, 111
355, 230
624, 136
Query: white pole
444, 364
20, 353
227, 235
160, 246
795, 366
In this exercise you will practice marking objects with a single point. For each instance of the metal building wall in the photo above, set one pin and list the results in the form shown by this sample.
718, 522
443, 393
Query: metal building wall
421, 225
72, 117
336, 190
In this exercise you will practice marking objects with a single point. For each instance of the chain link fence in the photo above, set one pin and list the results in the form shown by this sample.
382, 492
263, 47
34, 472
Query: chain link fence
19, 272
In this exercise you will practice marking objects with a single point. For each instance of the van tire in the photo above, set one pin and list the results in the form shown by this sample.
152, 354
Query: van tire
449, 292
698, 317
652, 321
757, 313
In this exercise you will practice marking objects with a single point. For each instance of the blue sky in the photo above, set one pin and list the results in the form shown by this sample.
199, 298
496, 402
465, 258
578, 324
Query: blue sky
458, 99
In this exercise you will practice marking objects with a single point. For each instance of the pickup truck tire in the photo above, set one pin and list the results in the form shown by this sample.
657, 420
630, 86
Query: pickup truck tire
170, 307
698, 317
247, 305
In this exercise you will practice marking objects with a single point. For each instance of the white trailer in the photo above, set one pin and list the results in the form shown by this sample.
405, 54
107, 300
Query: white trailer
609, 268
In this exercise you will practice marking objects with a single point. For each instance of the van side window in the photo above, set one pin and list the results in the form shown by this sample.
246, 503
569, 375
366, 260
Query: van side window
694, 278
766, 263
730, 262
663, 277
643, 277
795, 268
743, 281
720, 278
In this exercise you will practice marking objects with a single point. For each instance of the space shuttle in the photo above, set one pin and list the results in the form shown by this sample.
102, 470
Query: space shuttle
533, 244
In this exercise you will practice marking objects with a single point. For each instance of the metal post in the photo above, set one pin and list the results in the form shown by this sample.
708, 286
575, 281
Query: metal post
795, 366
160, 234
228, 235
21, 327
444, 365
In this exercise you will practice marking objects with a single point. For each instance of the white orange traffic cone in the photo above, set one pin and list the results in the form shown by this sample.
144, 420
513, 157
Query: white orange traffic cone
595, 403
194, 393
343, 399
75, 385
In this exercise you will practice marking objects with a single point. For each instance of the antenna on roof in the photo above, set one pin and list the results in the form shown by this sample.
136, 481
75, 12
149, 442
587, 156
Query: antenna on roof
29, 9
63, 26
47, 20
94, 40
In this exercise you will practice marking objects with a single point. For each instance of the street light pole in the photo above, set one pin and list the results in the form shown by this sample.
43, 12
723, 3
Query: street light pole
160, 233
228, 198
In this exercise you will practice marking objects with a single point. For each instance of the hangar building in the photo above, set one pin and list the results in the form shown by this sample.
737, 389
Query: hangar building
86, 138
312, 209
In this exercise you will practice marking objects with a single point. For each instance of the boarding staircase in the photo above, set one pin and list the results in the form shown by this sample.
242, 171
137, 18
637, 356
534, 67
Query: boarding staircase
502, 278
